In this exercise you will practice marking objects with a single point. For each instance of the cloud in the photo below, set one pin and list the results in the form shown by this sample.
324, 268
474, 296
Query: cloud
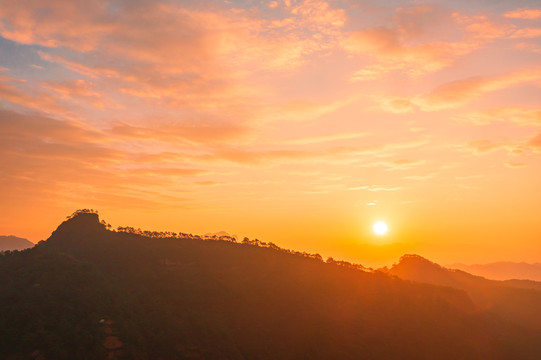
375, 188
483, 28
79, 91
39, 141
404, 164
209, 183
528, 47
191, 131
420, 177
70, 163
410, 44
16, 126
399, 164
316, 139
184, 40
535, 142
457, 93
397, 105
513, 114
393, 55
514, 148
485, 146
515, 165
15, 91
204, 60
45, 25
423, 38
165, 171
302, 110
529, 14
90, 71
526, 33
247, 155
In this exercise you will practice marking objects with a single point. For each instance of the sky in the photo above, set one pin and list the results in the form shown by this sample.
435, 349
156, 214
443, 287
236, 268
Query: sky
296, 122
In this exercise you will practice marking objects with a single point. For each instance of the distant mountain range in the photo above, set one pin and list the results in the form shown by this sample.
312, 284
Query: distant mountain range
515, 300
503, 270
91, 293
14, 243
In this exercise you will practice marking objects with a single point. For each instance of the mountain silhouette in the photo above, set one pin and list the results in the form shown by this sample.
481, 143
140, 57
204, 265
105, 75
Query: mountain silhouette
504, 270
14, 243
91, 293
514, 300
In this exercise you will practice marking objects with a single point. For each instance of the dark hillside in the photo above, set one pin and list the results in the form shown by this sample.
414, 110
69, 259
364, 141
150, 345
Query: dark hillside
91, 293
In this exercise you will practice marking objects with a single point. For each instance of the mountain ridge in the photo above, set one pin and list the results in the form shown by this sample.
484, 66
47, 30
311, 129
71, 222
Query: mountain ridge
504, 270
513, 300
11, 242
182, 297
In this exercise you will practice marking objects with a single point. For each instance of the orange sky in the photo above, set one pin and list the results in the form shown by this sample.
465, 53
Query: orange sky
296, 122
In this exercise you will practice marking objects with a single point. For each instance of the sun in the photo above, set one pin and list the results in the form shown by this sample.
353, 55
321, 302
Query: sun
380, 228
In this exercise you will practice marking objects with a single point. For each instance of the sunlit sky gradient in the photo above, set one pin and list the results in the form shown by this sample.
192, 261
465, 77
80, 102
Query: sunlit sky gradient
296, 122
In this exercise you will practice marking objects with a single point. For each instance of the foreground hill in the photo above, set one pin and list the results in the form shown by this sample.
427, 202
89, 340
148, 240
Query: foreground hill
504, 270
91, 293
14, 243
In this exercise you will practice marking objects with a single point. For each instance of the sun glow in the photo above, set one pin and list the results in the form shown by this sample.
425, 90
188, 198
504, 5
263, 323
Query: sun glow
380, 228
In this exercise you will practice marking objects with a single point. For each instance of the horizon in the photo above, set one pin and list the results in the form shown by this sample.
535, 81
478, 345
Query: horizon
359, 131
238, 239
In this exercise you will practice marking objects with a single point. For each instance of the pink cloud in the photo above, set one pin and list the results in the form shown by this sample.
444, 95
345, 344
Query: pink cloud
375, 188
26, 23
425, 38
31, 98
483, 27
410, 44
526, 33
67, 162
485, 146
535, 142
200, 131
513, 147
457, 93
79, 90
518, 115
529, 47
515, 165
529, 14
166, 171
201, 61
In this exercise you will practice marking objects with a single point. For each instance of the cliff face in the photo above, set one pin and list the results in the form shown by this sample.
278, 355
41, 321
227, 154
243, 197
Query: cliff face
78, 228
80, 224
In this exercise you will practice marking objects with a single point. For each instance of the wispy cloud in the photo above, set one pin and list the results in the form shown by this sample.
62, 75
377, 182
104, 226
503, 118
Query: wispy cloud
457, 93
518, 115
529, 14
375, 188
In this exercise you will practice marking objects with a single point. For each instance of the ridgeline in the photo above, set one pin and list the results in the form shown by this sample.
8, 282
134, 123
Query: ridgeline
89, 292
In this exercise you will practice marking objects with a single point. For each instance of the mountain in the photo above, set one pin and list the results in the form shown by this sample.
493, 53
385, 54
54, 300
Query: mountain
91, 293
14, 243
513, 300
504, 270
